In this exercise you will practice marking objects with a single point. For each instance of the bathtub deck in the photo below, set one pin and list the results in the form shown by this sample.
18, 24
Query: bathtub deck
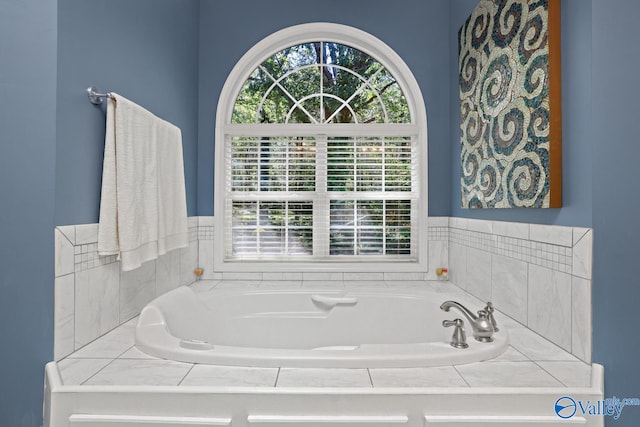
531, 361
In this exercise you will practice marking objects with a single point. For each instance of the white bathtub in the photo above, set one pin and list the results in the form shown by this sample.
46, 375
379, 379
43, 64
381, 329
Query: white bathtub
307, 328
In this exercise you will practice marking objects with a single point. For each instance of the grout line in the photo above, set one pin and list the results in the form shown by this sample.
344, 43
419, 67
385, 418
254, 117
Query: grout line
128, 348
511, 347
275, 384
461, 376
526, 293
73, 336
65, 236
571, 315
552, 376
580, 239
185, 375
370, 378
97, 372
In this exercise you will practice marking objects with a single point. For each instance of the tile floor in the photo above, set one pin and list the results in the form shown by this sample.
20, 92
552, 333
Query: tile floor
530, 361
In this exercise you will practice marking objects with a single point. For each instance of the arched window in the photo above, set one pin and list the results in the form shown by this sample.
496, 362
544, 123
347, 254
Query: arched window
321, 156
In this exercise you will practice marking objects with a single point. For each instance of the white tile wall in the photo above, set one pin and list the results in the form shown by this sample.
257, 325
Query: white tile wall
509, 286
403, 277
458, 264
277, 276
538, 274
549, 298
64, 260
92, 295
137, 288
205, 248
582, 255
96, 302
438, 246
363, 276
478, 273
581, 318
438, 257
168, 272
64, 321
553, 234
318, 276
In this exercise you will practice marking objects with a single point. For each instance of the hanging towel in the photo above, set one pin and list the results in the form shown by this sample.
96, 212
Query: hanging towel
143, 211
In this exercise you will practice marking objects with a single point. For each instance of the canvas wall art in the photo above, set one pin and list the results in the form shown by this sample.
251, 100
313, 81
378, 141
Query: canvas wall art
510, 106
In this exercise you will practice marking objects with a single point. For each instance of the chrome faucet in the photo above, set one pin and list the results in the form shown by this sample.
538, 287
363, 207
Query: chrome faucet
489, 309
481, 325
459, 339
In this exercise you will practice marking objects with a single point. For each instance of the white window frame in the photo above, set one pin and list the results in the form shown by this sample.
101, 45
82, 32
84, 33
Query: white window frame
377, 49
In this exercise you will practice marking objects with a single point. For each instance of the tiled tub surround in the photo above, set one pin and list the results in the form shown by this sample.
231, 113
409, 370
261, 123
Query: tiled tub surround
100, 381
539, 275
92, 295
530, 361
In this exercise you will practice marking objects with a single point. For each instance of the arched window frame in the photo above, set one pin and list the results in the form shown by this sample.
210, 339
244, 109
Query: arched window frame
365, 42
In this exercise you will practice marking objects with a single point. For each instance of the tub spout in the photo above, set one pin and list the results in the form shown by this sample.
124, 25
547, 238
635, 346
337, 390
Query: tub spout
481, 325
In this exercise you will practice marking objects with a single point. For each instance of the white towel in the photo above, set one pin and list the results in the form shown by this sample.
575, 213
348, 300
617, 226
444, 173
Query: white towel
143, 211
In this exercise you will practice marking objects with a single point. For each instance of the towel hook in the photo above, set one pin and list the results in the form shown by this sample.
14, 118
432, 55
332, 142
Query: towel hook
95, 97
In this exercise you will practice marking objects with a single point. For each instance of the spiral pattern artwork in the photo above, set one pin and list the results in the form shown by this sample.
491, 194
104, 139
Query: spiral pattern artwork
510, 113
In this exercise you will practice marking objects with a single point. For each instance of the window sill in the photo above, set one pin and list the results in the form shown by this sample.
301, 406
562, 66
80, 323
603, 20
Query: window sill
374, 266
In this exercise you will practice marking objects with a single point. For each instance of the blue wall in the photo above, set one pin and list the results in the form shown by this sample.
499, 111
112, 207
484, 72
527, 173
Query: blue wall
576, 134
145, 50
615, 125
416, 29
52, 146
27, 174
52, 138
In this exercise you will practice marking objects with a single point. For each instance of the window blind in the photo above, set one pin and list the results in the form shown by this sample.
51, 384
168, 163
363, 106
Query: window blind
320, 198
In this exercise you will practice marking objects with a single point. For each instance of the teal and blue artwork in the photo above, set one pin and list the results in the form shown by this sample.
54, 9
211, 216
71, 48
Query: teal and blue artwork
510, 106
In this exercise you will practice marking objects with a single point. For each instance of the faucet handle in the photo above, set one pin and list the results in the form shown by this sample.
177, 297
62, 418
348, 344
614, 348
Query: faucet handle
459, 339
489, 309
458, 323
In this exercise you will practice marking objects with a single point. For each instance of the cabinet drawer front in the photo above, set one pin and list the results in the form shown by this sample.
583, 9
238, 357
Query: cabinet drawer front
501, 421
85, 420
